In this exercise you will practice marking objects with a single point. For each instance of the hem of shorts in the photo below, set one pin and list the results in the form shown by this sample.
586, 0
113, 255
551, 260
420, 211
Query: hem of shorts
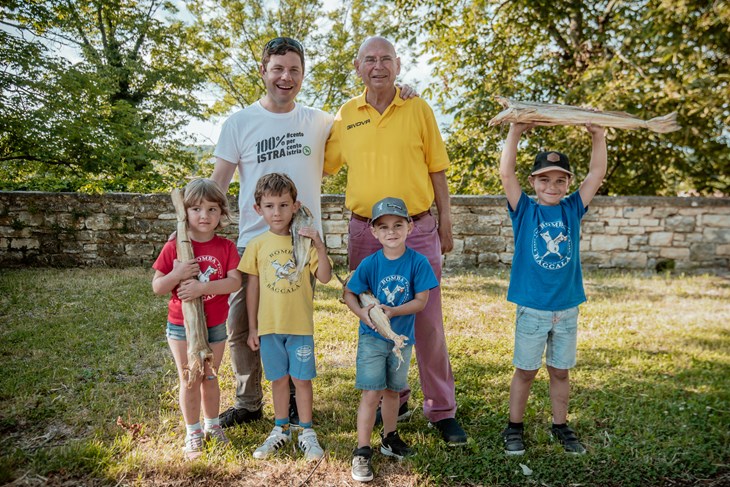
370, 388
297, 378
560, 366
518, 366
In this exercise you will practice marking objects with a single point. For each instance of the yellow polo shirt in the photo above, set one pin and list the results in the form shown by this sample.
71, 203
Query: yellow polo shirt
387, 155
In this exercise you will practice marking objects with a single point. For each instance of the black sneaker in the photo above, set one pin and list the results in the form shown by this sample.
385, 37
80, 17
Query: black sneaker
391, 445
232, 416
451, 432
514, 443
293, 411
362, 467
403, 414
567, 437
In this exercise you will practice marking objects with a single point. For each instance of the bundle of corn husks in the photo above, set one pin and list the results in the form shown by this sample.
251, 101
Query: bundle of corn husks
553, 114
196, 330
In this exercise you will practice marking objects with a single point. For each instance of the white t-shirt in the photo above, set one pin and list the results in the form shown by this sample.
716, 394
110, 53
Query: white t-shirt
261, 142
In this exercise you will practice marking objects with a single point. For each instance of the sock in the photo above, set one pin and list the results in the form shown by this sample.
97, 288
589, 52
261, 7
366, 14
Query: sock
192, 428
519, 426
283, 423
210, 423
305, 425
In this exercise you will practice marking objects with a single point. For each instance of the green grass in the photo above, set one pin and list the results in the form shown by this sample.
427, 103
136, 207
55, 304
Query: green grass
651, 393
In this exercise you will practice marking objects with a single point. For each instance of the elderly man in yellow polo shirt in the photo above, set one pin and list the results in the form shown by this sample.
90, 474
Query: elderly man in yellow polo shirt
393, 148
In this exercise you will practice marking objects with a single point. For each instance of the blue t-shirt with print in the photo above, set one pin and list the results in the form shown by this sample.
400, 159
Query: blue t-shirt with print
546, 272
394, 282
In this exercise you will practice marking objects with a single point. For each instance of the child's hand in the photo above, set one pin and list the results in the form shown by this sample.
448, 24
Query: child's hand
520, 127
387, 310
253, 339
595, 129
365, 316
190, 289
185, 270
314, 235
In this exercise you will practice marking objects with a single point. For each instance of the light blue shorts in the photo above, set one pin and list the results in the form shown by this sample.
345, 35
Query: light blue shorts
552, 332
216, 333
288, 354
377, 364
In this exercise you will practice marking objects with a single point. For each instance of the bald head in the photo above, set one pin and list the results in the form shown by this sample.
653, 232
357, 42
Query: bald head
377, 65
382, 42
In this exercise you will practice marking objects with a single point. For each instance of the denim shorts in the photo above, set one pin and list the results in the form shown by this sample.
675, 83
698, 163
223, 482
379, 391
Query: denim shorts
377, 364
552, 332
216, 333
284, 354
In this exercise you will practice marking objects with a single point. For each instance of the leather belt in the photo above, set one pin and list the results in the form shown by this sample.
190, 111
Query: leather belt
415, 217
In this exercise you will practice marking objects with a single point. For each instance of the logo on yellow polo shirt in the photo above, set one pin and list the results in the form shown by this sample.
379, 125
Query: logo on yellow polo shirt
358, 124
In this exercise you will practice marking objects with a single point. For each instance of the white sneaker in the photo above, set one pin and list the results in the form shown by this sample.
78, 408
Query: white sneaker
216, 434
276, 440
309, 445
194, 445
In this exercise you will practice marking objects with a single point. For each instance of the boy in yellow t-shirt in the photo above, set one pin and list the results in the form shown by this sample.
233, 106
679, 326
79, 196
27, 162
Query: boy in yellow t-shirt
280, 310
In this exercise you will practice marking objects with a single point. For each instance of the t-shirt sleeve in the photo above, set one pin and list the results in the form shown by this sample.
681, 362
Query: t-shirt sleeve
164, 262
424, 277
521, 206
358, 281
226, 147
233, 259
249, 264
575, 203
333, 152
436, 156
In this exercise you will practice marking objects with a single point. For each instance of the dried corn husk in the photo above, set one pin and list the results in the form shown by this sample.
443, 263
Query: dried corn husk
196, 330
300, 245
380, 320
553, 114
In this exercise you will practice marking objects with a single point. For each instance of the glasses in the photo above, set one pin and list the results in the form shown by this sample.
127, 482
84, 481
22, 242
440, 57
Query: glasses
278, 42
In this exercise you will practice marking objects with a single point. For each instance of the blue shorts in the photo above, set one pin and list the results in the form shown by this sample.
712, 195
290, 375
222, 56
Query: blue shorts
216, 333
552, 332
288, 354
377, 364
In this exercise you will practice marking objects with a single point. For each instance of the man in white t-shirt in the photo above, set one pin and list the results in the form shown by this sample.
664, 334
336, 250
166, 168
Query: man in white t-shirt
275, 134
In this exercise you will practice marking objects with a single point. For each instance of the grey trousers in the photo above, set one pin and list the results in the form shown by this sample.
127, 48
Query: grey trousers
246, 363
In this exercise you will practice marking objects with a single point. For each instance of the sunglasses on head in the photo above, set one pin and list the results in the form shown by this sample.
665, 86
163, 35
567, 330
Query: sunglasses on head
277, 42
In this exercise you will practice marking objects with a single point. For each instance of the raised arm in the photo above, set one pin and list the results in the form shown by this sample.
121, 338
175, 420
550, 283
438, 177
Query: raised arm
223, 173
597, 168
508, 163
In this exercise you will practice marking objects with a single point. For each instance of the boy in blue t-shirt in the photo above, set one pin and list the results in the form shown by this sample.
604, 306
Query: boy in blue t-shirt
401, 279
546, 282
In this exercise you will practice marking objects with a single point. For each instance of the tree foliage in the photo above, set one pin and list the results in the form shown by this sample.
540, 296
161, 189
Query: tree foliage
647, 57
93, 94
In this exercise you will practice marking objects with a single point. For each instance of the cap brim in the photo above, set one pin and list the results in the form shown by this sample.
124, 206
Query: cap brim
551, 168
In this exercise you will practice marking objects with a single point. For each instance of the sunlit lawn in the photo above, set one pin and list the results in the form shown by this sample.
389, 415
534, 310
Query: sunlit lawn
81, 348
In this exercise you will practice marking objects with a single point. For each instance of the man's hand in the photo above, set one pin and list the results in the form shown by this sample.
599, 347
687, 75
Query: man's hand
446, 236
407, 92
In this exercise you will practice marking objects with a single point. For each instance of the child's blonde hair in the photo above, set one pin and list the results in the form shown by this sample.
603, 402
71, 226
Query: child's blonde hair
275, 184
201, 189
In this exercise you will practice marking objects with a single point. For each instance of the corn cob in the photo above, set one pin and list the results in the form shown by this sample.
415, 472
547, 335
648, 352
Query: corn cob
300, 245
196, 330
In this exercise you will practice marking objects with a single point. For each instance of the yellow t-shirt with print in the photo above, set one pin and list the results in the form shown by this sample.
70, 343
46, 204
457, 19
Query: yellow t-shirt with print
387, 155
284, 307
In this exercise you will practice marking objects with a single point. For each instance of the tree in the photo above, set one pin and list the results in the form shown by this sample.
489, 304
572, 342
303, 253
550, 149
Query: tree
647, 57
93, 95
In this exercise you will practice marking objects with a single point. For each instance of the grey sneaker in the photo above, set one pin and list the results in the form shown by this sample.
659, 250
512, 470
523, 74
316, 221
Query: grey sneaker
194, 445
309, 444
362, 468
567, 437
514, 444
216, 434
276, 440
391, 445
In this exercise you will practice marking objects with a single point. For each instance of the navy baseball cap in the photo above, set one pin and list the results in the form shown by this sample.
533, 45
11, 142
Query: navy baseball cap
551, 161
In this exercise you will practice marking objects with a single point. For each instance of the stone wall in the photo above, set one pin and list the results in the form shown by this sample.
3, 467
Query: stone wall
121, 229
